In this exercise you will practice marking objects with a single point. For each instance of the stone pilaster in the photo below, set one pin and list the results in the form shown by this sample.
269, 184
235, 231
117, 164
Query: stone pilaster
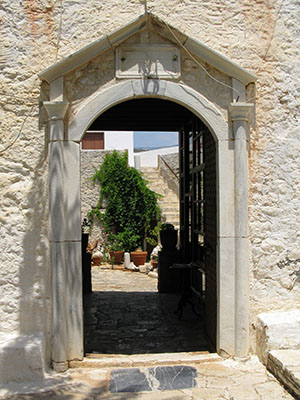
65, 238
239, 115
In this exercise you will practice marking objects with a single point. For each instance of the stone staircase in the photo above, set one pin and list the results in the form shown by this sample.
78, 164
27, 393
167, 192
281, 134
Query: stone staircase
169, 203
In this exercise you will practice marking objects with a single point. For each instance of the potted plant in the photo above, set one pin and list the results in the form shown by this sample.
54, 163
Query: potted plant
116, 249
130, 206
168, 237
138, 257
129, 240
96, 257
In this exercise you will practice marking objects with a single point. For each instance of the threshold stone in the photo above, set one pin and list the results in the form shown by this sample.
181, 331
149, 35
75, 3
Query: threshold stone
150, 379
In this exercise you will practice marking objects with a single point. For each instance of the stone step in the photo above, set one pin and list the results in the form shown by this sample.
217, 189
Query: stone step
169, 202
167, 210
171, 199
170, 196
171, 216
285, 366
135, 360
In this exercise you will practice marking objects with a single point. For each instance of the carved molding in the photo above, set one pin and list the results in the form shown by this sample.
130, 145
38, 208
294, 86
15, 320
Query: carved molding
240, 111
56, 109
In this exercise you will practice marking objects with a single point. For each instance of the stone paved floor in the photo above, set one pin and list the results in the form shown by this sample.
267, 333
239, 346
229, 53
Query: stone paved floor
224, 380
126, 315
208, 380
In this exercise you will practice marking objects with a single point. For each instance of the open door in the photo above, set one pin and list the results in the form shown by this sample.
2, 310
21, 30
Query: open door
197, 160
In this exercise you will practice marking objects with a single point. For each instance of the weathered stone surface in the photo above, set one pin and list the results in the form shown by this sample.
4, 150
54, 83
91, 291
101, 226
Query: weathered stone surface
285, 365
261, 36
277, 330
129, 380
21, 350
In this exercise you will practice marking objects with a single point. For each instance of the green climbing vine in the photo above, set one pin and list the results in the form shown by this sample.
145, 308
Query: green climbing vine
130, 206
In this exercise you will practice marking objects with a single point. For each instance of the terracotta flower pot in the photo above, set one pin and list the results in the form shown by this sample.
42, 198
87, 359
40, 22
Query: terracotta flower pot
117, 256
154, 263
96, 260
138, 257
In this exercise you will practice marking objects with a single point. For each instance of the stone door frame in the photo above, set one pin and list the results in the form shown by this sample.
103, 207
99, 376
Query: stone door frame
65, 219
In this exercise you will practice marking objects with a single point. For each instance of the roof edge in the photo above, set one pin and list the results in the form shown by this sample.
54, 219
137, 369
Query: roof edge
86, 53
82, 56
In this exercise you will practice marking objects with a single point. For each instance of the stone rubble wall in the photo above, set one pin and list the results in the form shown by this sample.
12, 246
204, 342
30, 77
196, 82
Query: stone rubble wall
173, 161
263, 37
90, 161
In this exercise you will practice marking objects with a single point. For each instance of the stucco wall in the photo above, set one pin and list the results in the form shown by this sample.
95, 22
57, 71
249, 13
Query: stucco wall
150, 158
263, 37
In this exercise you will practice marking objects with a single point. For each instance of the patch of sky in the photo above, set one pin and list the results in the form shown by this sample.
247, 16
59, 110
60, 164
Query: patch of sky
154, 140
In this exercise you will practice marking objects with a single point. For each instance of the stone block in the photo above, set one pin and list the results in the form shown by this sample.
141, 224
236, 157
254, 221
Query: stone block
57, 89
225, 195
72, 191
22, 358
67, 320
56, 191
226, 295
56, 131
277, 330
142, 87
64, 181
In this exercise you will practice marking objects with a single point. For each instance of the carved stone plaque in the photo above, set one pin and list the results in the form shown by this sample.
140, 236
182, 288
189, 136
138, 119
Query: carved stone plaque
149, 61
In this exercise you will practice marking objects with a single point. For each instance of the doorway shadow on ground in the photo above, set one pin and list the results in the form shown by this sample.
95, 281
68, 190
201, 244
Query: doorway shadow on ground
117, 322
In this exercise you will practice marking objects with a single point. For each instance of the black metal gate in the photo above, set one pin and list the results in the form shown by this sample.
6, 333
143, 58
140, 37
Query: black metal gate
197, 160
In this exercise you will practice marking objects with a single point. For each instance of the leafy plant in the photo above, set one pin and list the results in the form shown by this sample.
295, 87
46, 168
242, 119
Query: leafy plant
115, 244
130, 205
153, 236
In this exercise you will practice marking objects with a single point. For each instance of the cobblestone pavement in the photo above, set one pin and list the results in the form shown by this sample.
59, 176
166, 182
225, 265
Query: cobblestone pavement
175, 378
126, 315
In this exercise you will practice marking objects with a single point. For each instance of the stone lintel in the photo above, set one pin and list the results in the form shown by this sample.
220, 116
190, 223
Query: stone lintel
239, 111
56, 109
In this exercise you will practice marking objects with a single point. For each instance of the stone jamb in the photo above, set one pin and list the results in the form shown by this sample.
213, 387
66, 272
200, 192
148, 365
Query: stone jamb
239, 115
210, 115
65, 235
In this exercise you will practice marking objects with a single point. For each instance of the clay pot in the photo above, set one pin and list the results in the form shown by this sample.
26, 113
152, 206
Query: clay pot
117, 256
154, 264
138, 257
96, 260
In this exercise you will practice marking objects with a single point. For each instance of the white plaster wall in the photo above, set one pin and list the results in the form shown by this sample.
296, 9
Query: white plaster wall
114, 140
263, 37
150, 158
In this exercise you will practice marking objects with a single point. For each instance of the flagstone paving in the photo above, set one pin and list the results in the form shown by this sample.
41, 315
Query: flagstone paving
125, 314
176, 376
223, 380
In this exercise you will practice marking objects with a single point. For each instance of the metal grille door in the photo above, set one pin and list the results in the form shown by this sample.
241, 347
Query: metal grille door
197, 160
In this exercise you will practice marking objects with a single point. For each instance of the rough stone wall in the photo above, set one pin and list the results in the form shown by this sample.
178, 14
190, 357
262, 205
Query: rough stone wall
172, 161
90, 161
262, 36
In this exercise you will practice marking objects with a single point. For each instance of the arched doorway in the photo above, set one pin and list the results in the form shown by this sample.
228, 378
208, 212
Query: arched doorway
198, 196
232, 331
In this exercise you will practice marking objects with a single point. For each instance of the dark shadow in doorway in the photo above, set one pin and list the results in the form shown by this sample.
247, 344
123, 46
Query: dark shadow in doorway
140, 323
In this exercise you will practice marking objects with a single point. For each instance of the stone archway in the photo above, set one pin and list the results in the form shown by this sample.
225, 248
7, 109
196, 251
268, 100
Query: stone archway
232, 220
